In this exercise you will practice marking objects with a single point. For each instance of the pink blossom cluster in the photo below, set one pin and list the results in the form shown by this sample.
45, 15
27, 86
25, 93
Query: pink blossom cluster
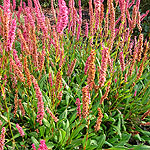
135, 93
87, 65
121, 57
42, 145
62, 16
97, 13
78, 108
40, 113
2, 138
11, 35
18, 63
7, 9
52, 115
20, 130
29, 17
79, 20
1, 123
14, 4
40, 18
50, 79
33, 146
103, 69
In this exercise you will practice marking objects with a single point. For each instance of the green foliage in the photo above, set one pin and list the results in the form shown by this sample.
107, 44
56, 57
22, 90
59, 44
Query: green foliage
121, 124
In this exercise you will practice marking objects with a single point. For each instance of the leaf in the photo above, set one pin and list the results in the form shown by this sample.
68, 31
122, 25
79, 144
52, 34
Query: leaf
33, 134
62, 135
73, 117
118, 148
46, 123
76, 131
64, 115
34, 140
101, 141
141, 147
50, 145
75, 143
117, 129
124, 140
42, 130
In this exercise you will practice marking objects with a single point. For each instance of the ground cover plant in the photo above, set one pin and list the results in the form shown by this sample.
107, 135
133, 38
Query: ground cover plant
63, 86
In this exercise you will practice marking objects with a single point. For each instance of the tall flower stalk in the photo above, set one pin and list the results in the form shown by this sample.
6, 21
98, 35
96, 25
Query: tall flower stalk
40, 104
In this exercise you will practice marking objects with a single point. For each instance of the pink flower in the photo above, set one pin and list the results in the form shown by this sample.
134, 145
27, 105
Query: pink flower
103, 69
18, 63
2, 139
121, 57
40, 18
7, 8
78, 108
42, 145
40, 101
29, 17
97, 13
138, 4
79, 30
52, 115
135, 93
125, 77
87, 65
115, 80
129, 6
62, 16
30, 3
14, 4
50, 79
1, 123
144, 15
20, 130
33, 146
11, 35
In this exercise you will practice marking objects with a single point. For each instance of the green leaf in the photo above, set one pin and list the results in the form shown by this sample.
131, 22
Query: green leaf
34, 140
101, 141
46, 123
64, 115
141, 147
76, 131
118, 148
62, 135
124, 140
50, 145
42, 130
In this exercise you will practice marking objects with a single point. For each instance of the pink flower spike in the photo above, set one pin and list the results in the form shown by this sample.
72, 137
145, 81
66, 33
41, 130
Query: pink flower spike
20, 130
52, 115
103, 69
33, 146
42, 145
78, 108
14, 4
135, 93
122, 64
144, 15
87, 65
2, 138
125, 78
40, 113
62, 16
1, 123
115, 80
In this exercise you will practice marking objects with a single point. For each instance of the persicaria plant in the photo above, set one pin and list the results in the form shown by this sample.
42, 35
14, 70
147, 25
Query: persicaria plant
73, 83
